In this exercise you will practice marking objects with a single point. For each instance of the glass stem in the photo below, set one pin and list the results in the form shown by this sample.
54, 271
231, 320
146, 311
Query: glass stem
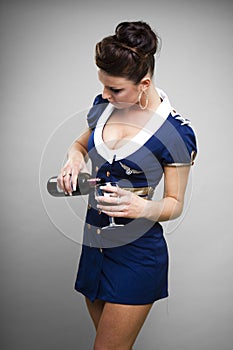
111, 220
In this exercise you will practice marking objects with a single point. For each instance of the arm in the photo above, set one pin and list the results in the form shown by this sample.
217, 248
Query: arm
77, 157
169, 207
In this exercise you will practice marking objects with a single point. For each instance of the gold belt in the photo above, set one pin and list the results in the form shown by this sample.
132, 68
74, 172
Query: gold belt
141, 191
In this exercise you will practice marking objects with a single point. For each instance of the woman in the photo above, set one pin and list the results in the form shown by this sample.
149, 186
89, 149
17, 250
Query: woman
135, 138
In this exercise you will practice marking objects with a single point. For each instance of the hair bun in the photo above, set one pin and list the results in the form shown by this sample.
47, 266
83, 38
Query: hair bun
129, 53
137, 35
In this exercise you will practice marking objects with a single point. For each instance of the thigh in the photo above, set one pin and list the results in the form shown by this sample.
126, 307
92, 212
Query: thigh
119, 325
95, 310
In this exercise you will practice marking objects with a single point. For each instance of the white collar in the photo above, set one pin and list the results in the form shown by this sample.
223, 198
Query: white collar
155, 122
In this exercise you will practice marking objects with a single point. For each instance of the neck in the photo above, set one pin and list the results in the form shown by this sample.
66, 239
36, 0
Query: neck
154, 98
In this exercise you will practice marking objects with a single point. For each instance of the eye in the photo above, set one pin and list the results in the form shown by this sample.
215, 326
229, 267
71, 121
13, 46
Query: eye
116, 91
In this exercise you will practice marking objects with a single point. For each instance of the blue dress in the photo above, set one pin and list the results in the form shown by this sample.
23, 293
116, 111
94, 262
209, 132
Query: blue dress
129, 265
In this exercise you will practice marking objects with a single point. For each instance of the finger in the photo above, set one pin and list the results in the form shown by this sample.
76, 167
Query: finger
115, 214
67, 184
74, 180
122, 192
60, 180
111, 209
106, 209
107, 188
108, 199
60, 183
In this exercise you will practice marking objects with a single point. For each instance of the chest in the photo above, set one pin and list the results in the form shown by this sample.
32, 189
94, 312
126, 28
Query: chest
117, 135
119, 129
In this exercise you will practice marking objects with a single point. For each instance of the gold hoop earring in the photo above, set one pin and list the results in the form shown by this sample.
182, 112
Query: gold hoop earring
140, 102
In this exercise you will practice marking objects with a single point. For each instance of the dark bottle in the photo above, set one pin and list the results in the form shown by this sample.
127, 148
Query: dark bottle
85, 184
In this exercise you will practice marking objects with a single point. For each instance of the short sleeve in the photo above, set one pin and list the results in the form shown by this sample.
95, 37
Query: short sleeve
179, 144
96, 110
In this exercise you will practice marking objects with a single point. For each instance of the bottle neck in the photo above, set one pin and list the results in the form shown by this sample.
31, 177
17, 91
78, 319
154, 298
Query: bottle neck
94, 181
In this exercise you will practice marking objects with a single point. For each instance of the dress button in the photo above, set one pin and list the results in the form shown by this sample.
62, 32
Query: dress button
88, 226
101, 250
98, 231
108, 173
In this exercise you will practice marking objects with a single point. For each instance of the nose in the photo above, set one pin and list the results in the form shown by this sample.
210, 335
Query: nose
105, 94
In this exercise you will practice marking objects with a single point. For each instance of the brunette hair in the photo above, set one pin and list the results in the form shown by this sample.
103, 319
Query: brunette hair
130, 52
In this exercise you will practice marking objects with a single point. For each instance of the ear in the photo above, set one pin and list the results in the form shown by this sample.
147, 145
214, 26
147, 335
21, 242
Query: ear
145, 83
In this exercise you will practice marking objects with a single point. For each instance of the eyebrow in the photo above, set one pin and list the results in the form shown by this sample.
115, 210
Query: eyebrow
113, 87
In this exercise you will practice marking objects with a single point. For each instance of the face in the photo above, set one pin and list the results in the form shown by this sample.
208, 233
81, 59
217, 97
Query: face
119, 91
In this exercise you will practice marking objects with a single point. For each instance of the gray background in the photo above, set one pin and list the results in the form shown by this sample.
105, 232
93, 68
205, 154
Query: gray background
48, 73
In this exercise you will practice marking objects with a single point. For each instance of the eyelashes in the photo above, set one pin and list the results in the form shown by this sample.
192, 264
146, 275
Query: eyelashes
115, 91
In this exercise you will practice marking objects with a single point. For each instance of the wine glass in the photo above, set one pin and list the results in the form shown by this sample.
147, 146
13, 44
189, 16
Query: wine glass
102, 192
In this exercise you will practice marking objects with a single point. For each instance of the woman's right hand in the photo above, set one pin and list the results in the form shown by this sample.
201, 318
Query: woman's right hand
67, 179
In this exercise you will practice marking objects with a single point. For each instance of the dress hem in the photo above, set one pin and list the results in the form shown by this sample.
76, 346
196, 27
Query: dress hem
123, 301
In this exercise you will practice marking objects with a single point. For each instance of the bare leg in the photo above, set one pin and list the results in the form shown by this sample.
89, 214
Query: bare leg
95, 310
119, 325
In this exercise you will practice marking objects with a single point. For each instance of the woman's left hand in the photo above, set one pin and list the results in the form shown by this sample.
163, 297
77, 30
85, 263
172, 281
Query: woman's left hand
121, 203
